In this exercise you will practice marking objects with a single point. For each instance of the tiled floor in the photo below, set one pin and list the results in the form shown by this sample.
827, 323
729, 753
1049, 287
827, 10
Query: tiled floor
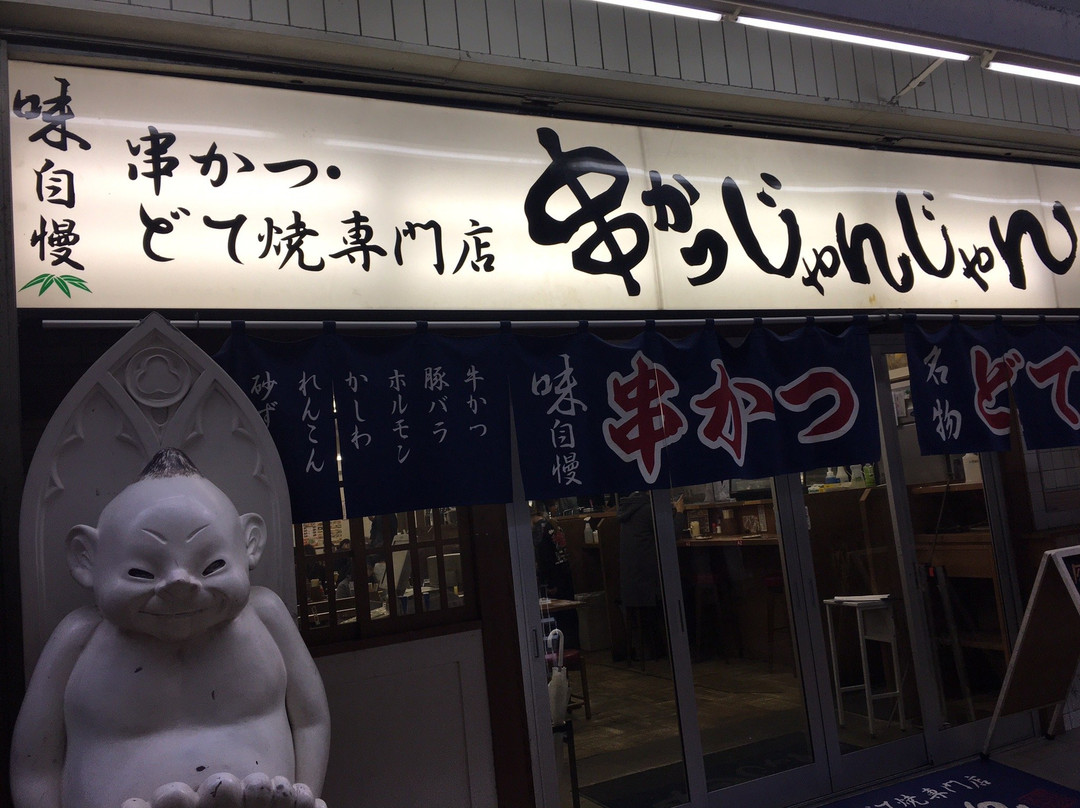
1057, 759
629, 732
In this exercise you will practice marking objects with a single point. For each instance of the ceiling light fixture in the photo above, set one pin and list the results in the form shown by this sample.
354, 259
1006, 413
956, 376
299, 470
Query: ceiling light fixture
1034, 72
667, 8
854, 39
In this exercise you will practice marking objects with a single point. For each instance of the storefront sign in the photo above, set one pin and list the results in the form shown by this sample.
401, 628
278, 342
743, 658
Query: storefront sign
403, 423
135, 191
291, 386
424, 420
962, 380
599, 416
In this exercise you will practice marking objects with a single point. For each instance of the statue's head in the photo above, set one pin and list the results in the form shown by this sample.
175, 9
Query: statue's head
170, 556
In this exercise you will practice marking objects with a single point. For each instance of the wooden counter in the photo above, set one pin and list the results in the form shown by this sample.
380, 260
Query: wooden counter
737, 540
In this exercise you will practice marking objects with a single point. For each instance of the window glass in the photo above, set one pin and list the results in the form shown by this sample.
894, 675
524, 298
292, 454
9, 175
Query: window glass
862, 604
599, 584
957, 567
386, 573
747, 679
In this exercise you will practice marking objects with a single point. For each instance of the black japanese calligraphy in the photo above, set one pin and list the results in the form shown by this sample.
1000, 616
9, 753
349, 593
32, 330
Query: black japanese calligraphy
672, 205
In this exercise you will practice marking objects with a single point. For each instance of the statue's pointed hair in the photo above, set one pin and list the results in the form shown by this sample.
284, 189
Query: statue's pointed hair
169, 462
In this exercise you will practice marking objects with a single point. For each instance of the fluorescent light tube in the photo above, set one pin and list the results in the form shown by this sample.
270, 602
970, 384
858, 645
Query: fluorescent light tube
854, 39
666, 8
1034, 73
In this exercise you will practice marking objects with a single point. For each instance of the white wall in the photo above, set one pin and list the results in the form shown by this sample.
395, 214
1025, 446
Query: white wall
410, 725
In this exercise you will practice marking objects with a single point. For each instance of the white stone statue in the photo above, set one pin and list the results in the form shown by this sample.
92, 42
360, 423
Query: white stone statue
185, 686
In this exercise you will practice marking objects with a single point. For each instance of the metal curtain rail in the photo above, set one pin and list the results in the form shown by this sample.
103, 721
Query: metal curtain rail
458, 324
377, 325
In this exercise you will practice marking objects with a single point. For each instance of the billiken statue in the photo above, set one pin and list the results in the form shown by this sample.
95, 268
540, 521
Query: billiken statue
184, 686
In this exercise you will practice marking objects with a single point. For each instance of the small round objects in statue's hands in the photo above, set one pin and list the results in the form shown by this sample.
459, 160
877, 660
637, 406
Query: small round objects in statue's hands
224, 790
221, 790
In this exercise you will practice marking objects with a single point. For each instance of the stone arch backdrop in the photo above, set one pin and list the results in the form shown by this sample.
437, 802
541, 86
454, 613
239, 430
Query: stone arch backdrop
153, 388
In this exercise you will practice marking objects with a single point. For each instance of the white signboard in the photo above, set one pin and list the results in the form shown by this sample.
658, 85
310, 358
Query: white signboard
135, 192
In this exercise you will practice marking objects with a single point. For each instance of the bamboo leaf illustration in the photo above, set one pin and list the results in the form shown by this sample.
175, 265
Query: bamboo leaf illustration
77, 282
61, 284
35, 281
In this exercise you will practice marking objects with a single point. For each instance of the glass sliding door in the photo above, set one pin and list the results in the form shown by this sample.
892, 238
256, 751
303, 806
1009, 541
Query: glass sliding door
777, 640
601, 586
684, 656
865, 609
863, 606
951, 506
745, 664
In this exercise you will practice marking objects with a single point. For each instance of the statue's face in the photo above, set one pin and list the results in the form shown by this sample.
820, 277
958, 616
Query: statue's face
171, 559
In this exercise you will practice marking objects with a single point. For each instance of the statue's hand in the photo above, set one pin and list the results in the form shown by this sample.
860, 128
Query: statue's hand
224, 790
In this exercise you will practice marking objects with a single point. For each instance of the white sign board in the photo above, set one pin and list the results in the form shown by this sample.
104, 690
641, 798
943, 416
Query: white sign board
135, 191
1044, 659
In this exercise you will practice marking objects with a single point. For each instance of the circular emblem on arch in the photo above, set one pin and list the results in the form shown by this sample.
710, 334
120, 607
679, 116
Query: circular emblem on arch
157, 377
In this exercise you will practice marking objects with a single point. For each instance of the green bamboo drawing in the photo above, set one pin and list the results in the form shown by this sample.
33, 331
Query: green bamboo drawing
62, 282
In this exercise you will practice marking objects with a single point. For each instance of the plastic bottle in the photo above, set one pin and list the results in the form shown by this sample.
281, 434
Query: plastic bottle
868, 475
857, 479
972, 468
842, 474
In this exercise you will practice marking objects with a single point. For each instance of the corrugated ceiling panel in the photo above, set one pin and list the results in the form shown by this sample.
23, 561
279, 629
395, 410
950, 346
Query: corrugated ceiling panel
802, 63
639, 43
943, 101
377, 18
758, 51
275, 11
905, 69
472, 26
783, 64
559, 30
440, 17
304, 14
587, 49
1058, 116
532, 39
194, 6
738, 56
958, 88
1072, 109
995, 102
409, 22
502, 29
714, 54
665, 46
1040, 95
824, 69
885, 79
233, 9
866, 75
688, 42
584, 34
342, 16
613, 42
847, 82
976, 90
1025, 95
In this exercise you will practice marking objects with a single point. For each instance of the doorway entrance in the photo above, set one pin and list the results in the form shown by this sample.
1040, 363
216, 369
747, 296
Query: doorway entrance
779, 639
